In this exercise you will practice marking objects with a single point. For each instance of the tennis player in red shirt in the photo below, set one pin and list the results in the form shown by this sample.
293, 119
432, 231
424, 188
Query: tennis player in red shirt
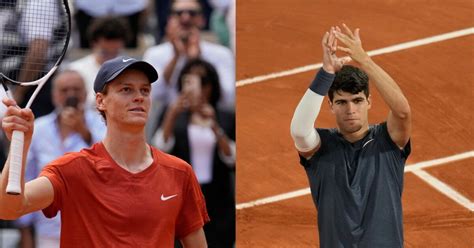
121, 192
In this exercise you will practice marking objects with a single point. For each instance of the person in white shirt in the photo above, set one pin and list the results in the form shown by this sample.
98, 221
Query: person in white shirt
108, 36
185, 43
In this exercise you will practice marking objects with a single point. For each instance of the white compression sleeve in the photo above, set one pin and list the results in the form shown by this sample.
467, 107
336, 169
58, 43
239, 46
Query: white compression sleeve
302, 125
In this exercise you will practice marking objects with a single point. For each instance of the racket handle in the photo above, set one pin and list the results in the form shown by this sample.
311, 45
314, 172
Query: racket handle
16, 157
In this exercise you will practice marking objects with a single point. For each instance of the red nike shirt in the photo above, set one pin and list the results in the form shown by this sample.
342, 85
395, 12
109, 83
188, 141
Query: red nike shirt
104, 205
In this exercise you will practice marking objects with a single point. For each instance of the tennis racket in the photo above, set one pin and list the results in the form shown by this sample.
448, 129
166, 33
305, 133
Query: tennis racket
33, 43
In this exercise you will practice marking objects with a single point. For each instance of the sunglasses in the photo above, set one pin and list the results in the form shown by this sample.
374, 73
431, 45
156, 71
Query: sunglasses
191, 12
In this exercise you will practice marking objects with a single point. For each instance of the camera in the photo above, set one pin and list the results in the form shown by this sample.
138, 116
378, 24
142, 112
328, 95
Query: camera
72, 101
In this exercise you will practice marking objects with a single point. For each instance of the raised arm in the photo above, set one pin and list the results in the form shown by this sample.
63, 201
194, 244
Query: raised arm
399, 117
307, 140
38, 193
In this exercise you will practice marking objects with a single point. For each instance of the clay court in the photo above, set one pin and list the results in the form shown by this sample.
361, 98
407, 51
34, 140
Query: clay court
277, 39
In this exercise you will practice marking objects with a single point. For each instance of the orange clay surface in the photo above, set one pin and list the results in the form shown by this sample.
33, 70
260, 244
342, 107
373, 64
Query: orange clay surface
437, 79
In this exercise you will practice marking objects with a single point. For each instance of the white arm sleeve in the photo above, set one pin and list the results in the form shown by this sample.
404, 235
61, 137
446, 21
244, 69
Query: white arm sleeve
302, 125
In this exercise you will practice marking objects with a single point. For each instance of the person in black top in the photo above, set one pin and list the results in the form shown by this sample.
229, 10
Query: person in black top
355, 171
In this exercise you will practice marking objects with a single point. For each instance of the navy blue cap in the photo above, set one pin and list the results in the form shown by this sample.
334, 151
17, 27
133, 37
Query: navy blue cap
112, 68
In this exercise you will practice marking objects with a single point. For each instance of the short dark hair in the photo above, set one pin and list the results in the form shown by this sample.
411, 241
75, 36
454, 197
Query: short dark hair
210, 77
109, 28
350, 79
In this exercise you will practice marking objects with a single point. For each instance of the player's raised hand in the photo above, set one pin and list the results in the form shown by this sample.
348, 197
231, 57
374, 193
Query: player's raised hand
331, 63
17, 119
352, 43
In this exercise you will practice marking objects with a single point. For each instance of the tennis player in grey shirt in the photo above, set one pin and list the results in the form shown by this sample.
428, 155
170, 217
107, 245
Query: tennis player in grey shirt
355, 171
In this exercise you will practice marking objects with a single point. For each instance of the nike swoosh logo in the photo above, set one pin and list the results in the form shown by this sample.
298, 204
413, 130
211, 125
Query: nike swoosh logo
126, 60
368, 141
165, 198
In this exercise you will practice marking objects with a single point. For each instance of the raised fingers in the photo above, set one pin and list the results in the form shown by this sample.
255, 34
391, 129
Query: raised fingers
356, 33
334, 45
345, 39
325, 39
348, 31
331, 37
344, 49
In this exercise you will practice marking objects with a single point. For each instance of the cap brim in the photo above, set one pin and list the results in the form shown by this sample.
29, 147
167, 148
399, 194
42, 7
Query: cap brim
142, 66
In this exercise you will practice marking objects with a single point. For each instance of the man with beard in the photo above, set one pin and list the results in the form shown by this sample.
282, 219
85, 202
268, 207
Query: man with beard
356, 170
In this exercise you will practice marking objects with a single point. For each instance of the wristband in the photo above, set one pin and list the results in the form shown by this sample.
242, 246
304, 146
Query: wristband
322, 82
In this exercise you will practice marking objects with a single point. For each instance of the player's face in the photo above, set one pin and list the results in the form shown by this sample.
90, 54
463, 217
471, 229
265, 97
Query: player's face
188, 13
68, 85
127, 101
351, 111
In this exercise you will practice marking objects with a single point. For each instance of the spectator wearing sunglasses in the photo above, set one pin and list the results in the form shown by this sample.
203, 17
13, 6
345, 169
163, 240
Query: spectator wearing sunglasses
108, 36
184, 42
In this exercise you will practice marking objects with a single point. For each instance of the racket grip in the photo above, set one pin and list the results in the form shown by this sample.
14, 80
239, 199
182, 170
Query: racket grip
16, 157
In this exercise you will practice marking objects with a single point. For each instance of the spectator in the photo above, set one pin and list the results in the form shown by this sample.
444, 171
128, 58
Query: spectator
89, 10
107, 36
185, 43
162, 11
71, 127
222, 23
195, 130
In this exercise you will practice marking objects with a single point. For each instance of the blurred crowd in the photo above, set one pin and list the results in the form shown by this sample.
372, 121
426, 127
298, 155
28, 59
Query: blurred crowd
191, 43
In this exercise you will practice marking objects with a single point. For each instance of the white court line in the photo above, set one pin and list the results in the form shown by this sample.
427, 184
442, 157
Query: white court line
389, 49
439, 161
444, 188
281, 197
306, 191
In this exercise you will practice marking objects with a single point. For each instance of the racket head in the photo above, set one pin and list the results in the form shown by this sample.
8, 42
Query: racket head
34, 39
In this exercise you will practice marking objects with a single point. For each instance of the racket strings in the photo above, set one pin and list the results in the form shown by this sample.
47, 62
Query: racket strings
33, 38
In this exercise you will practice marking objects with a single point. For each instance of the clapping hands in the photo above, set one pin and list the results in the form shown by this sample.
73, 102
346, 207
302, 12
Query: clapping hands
352, 43
331, 63
352, 46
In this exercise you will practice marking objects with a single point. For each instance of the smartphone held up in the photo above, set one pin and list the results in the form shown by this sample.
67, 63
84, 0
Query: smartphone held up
192, 88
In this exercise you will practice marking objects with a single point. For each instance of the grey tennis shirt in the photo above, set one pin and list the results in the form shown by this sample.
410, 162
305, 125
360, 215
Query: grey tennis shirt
357, 189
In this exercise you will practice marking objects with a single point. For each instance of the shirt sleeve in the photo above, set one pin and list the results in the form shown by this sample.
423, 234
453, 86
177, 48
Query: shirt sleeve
405, 152
193, 214
54, 175
324, 134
